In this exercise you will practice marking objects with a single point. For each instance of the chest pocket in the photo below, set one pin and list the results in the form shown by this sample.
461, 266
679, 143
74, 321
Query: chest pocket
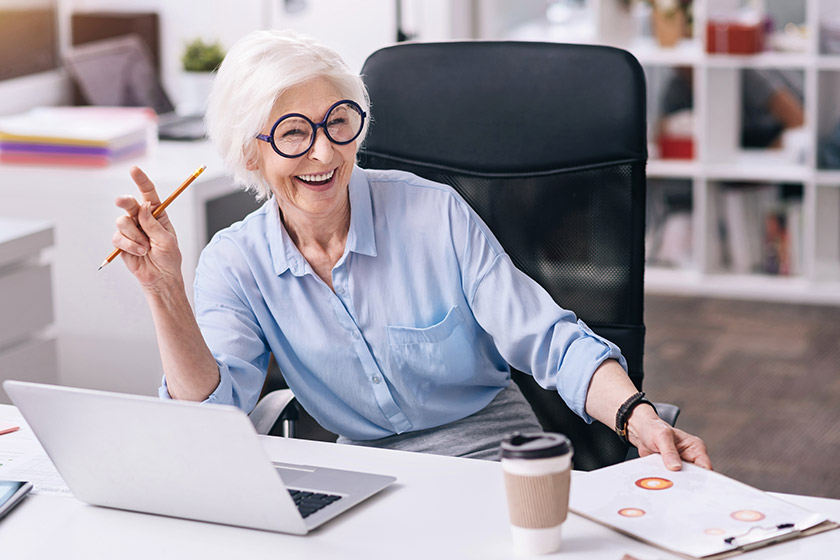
437, 357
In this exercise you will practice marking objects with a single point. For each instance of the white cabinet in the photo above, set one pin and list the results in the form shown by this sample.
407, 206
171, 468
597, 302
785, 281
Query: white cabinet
27, 348
698, 199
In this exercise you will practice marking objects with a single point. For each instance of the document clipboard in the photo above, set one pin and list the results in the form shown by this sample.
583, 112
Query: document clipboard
694, 513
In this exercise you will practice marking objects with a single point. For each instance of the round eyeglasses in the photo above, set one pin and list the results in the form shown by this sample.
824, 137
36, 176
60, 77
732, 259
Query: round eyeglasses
294, 134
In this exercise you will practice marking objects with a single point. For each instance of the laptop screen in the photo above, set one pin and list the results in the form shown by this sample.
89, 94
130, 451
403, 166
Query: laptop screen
117, 72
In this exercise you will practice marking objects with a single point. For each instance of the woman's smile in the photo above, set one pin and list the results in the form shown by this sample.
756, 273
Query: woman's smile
317, 181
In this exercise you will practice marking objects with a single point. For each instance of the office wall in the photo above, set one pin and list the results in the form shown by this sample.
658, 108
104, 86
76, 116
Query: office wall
353, 28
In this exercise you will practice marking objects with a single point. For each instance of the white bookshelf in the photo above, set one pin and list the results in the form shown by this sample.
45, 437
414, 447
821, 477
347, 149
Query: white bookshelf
719, 159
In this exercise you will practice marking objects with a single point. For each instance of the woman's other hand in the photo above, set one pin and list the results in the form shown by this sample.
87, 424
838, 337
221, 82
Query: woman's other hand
149, 245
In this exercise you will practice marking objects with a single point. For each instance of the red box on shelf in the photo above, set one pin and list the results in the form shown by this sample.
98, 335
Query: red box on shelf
734, 37
676, 147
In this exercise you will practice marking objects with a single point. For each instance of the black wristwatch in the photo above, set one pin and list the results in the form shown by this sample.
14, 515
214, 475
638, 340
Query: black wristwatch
624, 411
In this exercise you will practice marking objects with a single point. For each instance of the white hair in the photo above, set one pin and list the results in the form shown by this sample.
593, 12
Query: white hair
254, 73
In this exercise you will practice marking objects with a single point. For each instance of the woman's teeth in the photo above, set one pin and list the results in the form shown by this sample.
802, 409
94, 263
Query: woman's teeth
317, 178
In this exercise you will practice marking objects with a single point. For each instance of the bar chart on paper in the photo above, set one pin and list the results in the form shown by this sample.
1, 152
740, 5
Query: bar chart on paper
39, 470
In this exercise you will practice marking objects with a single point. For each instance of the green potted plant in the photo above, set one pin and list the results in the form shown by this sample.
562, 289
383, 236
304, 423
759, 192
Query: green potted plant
202, 57
199, 62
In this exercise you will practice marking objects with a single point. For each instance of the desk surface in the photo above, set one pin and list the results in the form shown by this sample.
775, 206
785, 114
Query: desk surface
440, 508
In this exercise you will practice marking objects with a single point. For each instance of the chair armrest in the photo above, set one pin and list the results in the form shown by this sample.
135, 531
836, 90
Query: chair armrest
274, 406
668, 412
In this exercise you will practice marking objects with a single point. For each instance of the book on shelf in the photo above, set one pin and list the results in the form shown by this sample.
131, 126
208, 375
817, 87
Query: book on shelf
760, 230
669, 235
81, 136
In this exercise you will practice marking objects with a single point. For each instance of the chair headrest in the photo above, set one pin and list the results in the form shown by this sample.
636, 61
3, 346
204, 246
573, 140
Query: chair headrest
506, 107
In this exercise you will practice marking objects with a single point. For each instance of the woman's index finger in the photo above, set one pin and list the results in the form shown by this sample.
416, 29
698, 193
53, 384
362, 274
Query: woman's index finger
145, 186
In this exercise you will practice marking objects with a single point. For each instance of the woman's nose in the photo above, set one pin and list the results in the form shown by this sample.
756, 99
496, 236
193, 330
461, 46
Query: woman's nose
322, 148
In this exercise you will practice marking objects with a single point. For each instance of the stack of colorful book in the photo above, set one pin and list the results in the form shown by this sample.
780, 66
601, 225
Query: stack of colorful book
77, 136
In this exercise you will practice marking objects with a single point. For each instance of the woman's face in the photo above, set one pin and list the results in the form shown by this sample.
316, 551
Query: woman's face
316, 182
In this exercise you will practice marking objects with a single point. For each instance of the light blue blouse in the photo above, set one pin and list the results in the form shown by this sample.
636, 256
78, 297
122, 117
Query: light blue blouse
427, 313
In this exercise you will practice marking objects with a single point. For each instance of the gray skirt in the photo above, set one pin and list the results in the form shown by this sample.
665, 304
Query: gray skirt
477, 436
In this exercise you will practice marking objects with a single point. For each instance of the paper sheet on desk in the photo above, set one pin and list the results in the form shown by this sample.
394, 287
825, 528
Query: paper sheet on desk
23, 458
691, 512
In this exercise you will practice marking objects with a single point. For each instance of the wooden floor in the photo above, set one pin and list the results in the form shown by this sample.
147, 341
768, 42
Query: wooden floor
759, 382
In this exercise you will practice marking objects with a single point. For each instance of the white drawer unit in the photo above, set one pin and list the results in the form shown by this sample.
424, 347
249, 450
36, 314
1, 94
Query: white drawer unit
25, 302
27, 349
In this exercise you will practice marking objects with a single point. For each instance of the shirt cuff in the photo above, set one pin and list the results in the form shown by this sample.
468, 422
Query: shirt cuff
217, 396
582, 352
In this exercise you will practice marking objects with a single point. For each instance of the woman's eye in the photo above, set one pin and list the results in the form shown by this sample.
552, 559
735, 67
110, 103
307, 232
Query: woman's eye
294, 133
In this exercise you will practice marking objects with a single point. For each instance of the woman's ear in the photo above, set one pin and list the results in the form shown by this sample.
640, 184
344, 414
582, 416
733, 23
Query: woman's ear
252, 158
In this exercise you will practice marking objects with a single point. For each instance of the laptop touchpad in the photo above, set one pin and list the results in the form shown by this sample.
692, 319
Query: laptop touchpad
291, 473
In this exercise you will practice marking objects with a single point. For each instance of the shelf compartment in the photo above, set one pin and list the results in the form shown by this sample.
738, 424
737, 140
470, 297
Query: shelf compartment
827, 238
828, 119
669, 236
755, 229
755, 119
828, 28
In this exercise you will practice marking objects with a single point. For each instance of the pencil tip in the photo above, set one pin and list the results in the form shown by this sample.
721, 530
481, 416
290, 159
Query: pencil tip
101, 266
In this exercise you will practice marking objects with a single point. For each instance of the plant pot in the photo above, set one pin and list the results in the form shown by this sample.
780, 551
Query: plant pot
195, 90
668, 28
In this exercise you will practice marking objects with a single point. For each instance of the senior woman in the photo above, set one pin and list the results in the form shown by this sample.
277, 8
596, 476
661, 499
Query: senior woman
389, 306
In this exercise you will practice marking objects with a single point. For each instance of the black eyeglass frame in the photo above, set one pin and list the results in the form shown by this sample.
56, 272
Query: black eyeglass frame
315, 126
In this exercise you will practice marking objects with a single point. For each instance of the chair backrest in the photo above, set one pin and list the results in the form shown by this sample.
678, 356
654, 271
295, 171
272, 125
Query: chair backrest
547, 142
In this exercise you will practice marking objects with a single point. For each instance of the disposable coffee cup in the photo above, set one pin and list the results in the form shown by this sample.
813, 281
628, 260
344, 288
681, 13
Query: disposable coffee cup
537, 471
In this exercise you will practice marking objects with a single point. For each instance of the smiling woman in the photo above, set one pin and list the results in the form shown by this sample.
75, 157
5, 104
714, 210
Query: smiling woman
390, 308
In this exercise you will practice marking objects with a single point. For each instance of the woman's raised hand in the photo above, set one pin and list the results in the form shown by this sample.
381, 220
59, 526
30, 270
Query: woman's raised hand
149, 245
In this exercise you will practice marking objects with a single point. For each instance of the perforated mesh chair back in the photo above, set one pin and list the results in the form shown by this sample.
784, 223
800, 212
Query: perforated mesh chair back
547, 142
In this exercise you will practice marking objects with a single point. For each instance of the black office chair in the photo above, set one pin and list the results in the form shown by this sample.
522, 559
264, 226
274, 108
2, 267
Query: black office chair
547, 142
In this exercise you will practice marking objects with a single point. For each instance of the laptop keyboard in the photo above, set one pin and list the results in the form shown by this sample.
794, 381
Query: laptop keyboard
310, 502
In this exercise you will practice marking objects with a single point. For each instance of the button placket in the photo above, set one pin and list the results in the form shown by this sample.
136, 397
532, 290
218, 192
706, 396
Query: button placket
344, 312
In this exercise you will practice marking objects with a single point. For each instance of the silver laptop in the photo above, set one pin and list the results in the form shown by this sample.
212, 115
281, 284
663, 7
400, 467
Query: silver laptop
181, 459
119, 72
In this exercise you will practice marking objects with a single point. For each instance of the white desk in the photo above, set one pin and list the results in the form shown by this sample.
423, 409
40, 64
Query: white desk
104, 329
440, 508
